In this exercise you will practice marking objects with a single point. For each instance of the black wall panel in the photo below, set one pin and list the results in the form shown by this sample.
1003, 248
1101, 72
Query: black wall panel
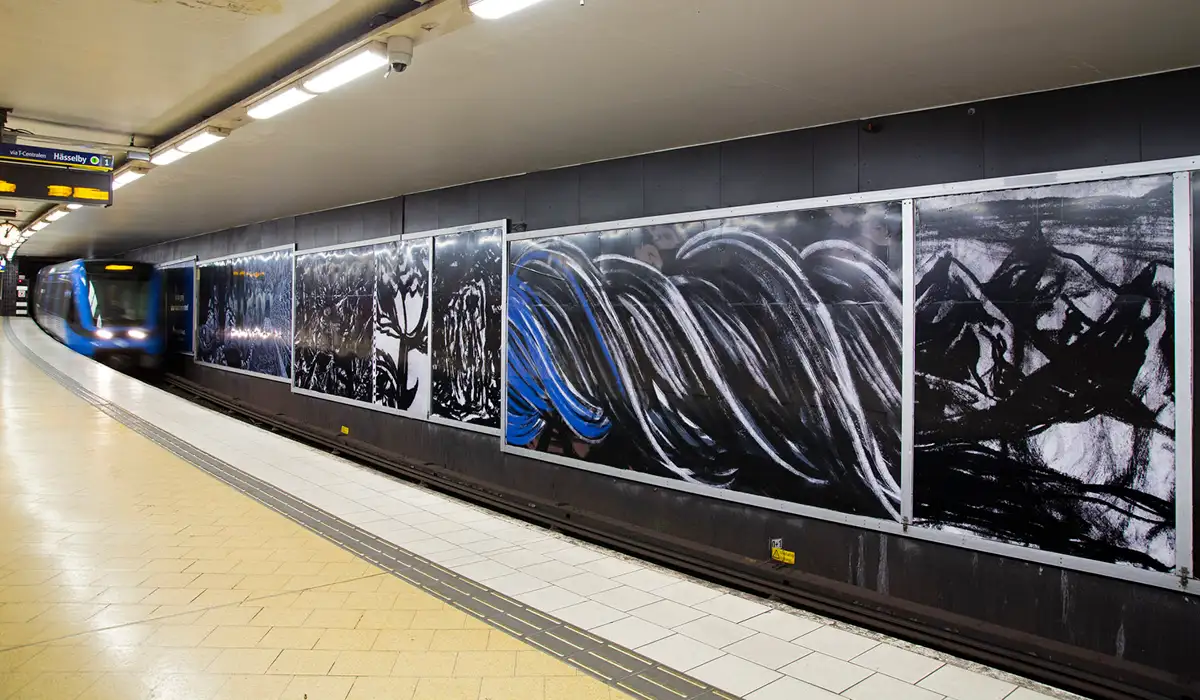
1128, 632
611, 190
835, 159
1079, 128
771, 168
458, 206
552, 198
501, 199
688, 179
922, 148
1169, 105
421, 211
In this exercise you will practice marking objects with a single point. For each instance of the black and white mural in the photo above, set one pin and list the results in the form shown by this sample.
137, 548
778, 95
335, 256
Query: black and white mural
1045, 378
245, 313
401, 329
758, 354
362, 324
467, 309
335, 308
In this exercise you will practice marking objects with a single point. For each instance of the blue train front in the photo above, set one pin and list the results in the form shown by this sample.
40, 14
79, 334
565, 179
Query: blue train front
109, 310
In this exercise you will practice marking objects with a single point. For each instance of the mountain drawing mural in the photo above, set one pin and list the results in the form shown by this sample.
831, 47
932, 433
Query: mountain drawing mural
758, 354
1045, 380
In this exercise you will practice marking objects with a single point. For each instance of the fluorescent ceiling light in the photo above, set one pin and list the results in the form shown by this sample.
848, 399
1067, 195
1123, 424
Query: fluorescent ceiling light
74, 206
40, 225
202, 139
495, 9
126, 177
279, 103
369, 58
168, 156
56, 214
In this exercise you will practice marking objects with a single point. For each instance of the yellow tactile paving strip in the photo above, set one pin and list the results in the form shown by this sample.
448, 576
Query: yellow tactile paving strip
127, 573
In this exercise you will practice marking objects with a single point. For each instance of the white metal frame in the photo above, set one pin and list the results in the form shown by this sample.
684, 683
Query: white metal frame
906, 196
291, 248
183, 262
1184, 513
423, 413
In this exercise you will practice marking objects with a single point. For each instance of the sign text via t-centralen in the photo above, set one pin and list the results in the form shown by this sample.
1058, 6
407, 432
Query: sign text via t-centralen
33, 155
53, 175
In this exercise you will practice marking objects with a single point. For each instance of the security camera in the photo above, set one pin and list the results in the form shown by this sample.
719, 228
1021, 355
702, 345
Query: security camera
400, 53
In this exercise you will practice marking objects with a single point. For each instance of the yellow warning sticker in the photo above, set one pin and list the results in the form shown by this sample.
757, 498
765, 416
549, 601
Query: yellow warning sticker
345, 430
782, 555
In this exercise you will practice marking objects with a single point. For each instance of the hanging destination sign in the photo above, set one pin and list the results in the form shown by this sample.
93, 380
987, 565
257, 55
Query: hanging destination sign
34, 155
64, 185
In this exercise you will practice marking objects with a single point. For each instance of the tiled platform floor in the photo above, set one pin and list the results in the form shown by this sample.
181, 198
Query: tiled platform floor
745, 646
126, 573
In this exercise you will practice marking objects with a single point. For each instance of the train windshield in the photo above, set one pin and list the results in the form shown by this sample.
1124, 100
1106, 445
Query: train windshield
118, 294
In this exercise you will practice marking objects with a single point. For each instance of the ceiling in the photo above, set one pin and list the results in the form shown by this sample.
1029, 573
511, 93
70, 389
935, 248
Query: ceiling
562, 83
153, 66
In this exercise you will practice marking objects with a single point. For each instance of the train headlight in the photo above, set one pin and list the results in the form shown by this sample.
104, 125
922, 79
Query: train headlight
138, 334
104, 334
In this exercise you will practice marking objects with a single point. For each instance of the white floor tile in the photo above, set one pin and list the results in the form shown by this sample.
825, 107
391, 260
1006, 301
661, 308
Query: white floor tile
552, 571
898, 663
550, 599
625, 598
688, 593
881, 687
782, 625
837, 643
519, 558
440, 527
484, 570
632, 632
826, 672
732, 608
962, 684
679, 652
487, 546
792, 689
714, 631
589, 615
734, 675
456, 558
767, 650
516, 584
587, 584
550, 544
667, 613
610, 567
646, 580
466, 536
575, 555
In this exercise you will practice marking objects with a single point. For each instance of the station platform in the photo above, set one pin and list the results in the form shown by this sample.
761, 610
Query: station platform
153, 548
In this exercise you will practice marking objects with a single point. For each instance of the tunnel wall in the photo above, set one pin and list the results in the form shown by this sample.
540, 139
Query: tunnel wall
1139, 634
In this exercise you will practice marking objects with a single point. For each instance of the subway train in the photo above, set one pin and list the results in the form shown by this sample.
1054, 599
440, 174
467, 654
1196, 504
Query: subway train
109, 310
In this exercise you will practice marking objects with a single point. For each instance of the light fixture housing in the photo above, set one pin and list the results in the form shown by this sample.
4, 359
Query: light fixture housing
40, 225
57, 214
495, 9
168, 156
279, 103
371, 57
201, 139
127, 176
73, 207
